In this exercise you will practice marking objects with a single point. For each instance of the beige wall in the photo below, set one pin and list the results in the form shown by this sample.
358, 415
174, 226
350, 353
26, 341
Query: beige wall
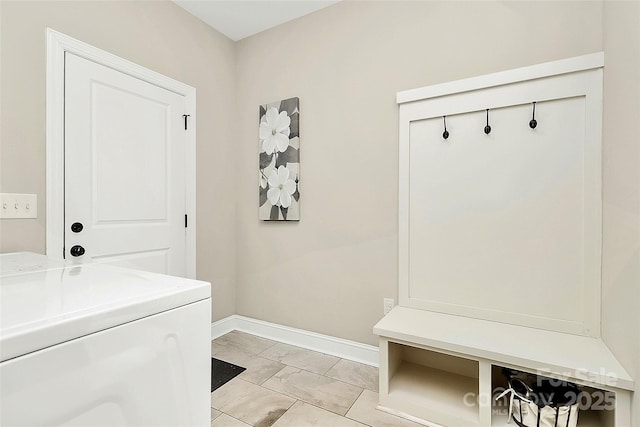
160, 36
621, 188
329, 272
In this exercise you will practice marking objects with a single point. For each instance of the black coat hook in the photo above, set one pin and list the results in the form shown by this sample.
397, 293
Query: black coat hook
487, 128
445, 134
533, 123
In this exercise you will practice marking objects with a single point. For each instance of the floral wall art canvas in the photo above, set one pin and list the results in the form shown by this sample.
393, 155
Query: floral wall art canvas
279, 161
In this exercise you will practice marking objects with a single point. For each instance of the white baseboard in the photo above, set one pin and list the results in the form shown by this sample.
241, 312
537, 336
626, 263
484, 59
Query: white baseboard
338, 347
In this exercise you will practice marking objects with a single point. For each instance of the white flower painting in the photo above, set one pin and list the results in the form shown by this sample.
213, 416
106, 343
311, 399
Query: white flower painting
275, 128
279, 174
281, 187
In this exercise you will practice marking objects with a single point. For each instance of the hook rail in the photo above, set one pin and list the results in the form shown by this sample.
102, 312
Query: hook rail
533, 123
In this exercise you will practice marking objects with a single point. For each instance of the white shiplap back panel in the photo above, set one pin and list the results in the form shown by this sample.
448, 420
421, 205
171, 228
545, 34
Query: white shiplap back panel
505, 226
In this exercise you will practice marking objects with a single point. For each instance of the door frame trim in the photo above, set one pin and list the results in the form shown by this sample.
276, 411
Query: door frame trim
57, 45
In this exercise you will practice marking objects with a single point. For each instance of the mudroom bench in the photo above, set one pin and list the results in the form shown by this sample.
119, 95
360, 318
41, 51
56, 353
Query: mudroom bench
444, 369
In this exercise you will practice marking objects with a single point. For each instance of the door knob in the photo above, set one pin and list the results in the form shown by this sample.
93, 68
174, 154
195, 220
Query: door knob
77, 250
77, 227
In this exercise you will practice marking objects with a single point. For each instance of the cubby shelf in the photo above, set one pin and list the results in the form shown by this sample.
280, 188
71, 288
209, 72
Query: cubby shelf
431, 392
586, 418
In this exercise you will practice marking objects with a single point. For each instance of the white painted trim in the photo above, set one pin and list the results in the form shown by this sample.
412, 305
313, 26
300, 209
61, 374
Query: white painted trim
563, 66
406, 416
190, 182
224, 326
345, 349
57, 45
585, 79
54, 134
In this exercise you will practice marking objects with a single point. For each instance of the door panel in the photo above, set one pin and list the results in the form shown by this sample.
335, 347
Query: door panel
120, 118
124, 169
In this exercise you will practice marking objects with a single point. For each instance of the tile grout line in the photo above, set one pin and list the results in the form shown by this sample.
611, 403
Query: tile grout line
301, 369
303, 350
237, 419
354, 402
315, 373
286, 410
265, 388
331, 367
274, 342
283, 414
310, 403
331, 412
285, 365
260, 354
274, 374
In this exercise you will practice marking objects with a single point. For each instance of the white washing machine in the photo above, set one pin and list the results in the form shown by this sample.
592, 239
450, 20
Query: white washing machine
96, 345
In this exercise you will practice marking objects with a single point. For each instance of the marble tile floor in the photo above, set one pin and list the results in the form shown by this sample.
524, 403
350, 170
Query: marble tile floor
287, 386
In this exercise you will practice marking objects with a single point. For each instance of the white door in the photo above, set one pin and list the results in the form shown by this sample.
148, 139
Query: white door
124, 160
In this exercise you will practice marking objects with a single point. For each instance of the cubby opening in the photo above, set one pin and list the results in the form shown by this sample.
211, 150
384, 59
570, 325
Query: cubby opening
596, 406
433, 385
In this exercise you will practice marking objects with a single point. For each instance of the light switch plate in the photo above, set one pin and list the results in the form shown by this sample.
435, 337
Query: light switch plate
13, 206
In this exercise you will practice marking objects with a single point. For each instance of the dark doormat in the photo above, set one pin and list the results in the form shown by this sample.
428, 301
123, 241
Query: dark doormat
222, 372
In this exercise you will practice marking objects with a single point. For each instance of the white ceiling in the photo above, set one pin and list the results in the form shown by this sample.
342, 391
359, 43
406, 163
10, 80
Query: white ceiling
238, 19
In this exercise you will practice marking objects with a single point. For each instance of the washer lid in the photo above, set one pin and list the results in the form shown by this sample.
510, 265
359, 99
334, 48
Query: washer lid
44, 302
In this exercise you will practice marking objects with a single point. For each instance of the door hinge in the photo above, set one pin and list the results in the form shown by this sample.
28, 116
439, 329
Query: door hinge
185, 220
185, 120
